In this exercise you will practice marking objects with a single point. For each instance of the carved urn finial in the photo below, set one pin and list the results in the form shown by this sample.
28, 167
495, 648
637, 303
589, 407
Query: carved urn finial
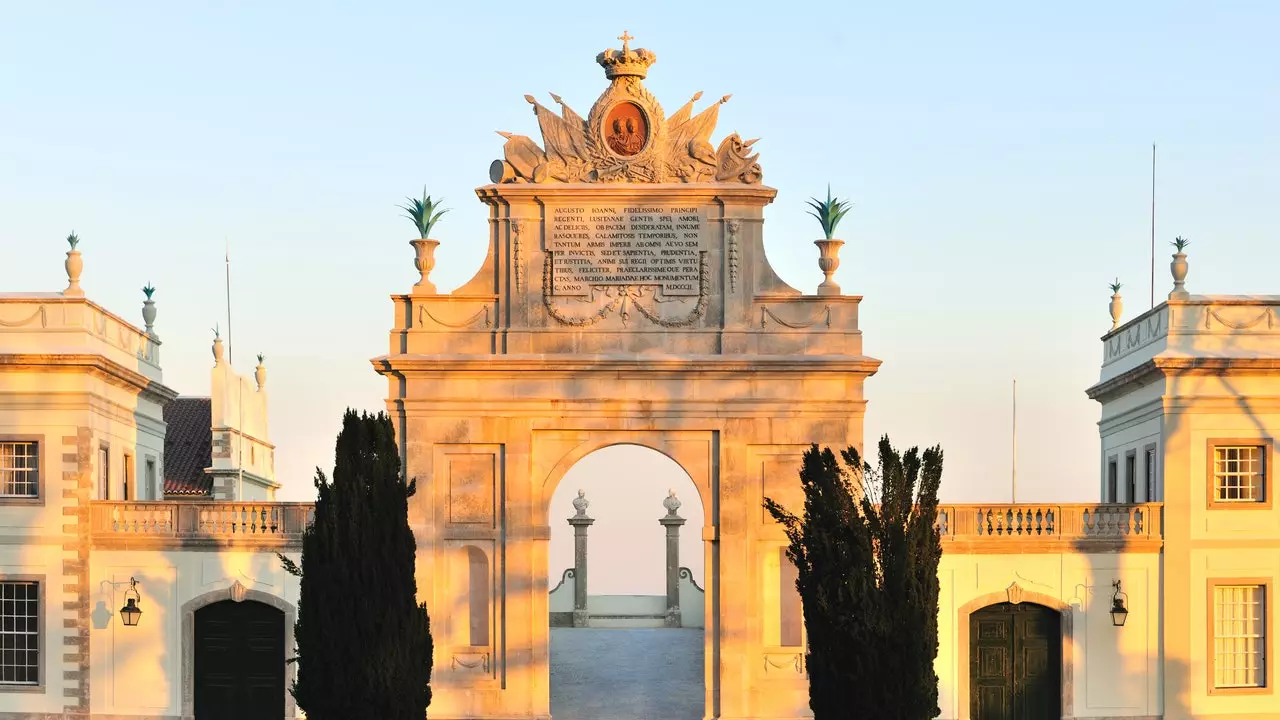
74, 265
149, 311
217, 347
626, 62
671, 503
581, 503
1179, 268
260, 373
1117, 304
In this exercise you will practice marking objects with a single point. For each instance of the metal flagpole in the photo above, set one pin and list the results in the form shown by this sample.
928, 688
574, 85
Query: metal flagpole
1153, 224
1014, 478
239, 385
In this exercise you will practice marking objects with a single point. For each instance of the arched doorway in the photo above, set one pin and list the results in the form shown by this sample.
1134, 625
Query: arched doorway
637, 649
239, 661
1015, 662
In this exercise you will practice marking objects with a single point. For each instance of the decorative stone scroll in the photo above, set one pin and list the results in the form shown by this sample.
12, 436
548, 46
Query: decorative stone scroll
626, 137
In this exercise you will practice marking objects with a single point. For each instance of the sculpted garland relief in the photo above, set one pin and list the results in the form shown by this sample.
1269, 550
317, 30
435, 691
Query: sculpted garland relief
626, 137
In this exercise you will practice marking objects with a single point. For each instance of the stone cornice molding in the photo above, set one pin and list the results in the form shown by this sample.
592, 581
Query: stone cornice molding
654, 192
1164, 367
95, 365
518, 365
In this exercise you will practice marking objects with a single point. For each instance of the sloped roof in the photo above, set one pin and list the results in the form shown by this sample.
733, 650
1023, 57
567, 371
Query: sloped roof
188, 446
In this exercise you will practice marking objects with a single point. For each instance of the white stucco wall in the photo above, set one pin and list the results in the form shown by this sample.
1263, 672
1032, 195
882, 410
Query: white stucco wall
1080, 585
138, 670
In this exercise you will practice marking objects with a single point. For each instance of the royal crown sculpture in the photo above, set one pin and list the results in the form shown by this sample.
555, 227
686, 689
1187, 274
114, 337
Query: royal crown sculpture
626, 137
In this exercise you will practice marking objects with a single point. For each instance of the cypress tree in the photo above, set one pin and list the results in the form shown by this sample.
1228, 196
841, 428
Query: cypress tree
363, 641
866, 550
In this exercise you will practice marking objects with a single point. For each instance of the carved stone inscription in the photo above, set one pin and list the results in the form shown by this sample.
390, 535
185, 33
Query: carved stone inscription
628, 244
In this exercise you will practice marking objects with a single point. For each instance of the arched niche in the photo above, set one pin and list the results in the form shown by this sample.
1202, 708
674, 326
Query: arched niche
1014, 594
238, 593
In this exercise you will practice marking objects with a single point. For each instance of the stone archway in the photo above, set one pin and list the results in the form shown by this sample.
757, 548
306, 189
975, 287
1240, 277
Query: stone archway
1015, 594
556, 347
235, 593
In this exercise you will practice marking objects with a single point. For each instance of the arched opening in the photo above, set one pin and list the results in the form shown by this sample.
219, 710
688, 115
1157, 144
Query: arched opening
239, 662
627, 603
1015, 662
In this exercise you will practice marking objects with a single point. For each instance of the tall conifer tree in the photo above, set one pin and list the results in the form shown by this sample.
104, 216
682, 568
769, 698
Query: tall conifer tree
364, 642
867, 551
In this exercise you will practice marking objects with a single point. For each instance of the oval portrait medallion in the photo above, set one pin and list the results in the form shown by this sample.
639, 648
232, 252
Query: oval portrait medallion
625, 129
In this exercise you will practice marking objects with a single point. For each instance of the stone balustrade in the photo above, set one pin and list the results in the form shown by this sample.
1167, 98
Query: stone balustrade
1030, 527
978, 528
179, 524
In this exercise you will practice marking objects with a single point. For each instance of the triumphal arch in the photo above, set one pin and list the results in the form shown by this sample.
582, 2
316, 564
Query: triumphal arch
625, 298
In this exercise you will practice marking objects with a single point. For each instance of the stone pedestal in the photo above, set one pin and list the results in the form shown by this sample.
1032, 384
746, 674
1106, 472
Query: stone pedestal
580, 523
672, 523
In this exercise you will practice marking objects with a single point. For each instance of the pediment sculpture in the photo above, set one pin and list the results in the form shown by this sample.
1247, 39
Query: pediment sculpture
626, 137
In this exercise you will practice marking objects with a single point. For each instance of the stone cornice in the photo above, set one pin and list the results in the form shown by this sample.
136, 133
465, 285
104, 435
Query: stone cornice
649, 192
96, 366
1162, 367
759, 366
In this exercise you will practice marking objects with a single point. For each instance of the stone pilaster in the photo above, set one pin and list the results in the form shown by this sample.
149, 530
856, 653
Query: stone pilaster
580, 523
77, 489
672, 522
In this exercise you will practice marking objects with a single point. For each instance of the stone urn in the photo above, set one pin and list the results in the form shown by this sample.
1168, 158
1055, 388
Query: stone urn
74, 265
1179, 269
828, 261
424, 260
1117, 308
260, 374
217, 350
149, 316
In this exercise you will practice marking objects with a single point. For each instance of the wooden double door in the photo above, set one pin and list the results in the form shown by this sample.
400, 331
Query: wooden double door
1015, 663
239, 662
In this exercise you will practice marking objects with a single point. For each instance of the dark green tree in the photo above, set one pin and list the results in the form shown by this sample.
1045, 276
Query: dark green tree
867, 551
364, 642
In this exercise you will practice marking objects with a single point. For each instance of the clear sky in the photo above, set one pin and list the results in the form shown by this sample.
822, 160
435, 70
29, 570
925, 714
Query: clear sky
998, 155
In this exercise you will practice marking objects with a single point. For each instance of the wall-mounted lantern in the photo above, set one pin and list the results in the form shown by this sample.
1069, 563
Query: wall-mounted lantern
131, 613
1119, 613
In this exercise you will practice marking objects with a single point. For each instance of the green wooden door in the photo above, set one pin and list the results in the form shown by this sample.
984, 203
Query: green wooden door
1015, 663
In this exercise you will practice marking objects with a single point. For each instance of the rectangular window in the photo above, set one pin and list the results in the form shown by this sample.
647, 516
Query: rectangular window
1149, 466
1239, 473
1239, 636
1131, 476
104, 473
126, 483
152, 494
1111, 481
19, 469
19, 632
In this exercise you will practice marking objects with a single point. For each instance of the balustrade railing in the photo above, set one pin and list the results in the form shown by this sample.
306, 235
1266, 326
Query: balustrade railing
1028, 522
214, 522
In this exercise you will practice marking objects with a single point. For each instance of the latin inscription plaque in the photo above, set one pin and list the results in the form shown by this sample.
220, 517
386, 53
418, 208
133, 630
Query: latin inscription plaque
596, 244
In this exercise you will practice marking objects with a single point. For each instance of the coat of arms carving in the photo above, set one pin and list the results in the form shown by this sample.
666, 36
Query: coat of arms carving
626, 137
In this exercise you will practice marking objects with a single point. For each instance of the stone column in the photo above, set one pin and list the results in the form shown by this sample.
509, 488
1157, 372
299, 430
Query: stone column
580, 523
672, 523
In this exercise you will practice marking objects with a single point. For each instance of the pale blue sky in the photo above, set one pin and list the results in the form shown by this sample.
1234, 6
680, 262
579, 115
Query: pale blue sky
998, 154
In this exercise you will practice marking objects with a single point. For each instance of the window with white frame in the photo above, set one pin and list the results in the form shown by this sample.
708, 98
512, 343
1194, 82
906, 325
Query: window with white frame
19, 632
1150, 468
1239, 636
104, 473
1239, 473
19, 469
1112, 473
152, 493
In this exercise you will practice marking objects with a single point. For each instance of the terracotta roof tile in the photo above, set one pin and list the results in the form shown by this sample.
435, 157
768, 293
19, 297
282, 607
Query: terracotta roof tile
188, 446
